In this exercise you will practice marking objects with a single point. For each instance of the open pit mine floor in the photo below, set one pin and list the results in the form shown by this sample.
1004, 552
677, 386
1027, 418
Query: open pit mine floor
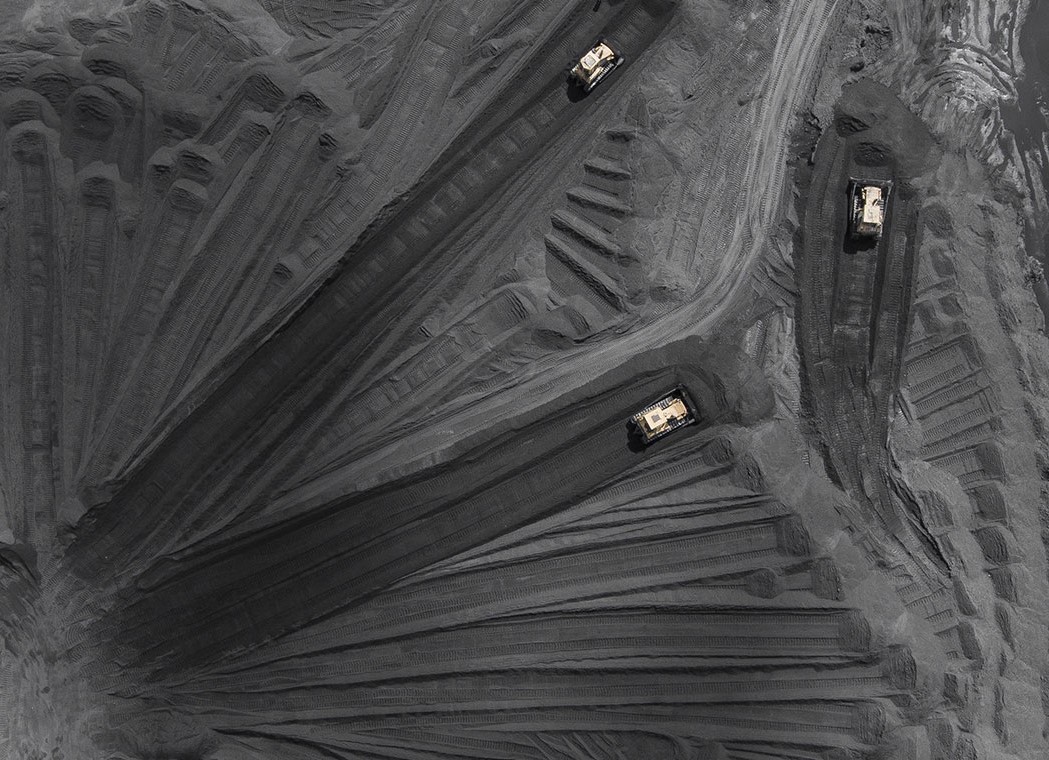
326, 331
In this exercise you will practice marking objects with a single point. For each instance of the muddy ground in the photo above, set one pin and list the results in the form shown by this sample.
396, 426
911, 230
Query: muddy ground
323, 324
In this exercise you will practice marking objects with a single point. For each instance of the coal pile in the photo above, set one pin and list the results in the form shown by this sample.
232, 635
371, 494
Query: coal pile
325, 326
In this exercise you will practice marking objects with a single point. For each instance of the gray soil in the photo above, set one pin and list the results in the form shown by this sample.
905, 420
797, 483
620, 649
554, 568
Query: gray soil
323, 324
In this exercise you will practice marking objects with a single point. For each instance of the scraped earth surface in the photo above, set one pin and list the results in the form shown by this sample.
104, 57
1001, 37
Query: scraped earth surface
323, 323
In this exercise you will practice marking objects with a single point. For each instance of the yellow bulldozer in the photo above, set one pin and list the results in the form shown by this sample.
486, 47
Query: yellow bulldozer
664, 416
868, 199
596, 64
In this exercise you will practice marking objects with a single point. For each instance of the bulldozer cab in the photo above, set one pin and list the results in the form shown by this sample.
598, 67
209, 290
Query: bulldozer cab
873, 208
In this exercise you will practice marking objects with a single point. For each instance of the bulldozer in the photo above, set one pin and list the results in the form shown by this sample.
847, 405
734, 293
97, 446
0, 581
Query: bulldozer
597, 63
867, 203
664, 416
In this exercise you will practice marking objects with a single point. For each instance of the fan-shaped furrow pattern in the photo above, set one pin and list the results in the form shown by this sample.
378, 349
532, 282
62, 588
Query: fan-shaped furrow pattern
29, 158
258, 91
720, 636
471, 597
390, 403
543, 689
462, 743
272, 183
299, 189
857, 725
90, 293
707, 464
325, 551
240, 147
675, 561
201, 296
609, 526
328, 314
167, 243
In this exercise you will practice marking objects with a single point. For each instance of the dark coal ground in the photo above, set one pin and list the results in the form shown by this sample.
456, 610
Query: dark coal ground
323, 324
